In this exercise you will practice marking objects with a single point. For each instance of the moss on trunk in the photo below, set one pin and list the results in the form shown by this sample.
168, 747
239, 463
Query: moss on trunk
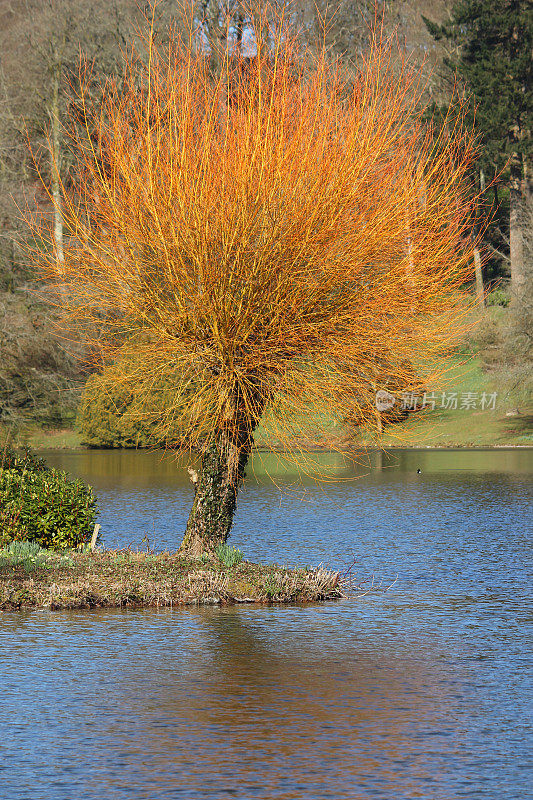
223, 464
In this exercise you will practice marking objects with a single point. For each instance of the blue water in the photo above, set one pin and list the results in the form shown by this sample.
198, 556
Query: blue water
420, 688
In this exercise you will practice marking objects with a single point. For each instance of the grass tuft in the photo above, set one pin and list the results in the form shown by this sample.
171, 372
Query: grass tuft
229, 555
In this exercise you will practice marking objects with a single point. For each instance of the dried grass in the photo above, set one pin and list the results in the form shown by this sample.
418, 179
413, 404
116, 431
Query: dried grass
132, 579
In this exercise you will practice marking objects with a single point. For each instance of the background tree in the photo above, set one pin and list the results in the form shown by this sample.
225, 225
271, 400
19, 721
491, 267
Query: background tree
40, 43
40, 46
492, 46
245, 242
113, 413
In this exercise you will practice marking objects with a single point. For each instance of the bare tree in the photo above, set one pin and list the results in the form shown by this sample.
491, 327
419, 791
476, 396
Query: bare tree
40, 46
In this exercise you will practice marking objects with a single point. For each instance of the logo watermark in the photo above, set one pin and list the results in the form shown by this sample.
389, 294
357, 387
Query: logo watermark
453, 401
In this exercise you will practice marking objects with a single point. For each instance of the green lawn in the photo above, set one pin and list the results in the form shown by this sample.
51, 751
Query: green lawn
438, 427
473, 426
463, 427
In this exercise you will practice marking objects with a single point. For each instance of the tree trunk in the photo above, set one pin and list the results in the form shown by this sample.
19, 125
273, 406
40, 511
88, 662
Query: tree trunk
222, 470
55, 66
480, 289
523, 317
55, 157
239, 29
518, 276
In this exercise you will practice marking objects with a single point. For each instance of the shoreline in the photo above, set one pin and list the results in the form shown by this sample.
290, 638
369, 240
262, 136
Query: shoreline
315, 450
129, 579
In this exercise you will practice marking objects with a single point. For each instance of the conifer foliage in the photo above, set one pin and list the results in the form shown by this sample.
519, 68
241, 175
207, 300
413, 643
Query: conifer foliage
493, 42
269, 242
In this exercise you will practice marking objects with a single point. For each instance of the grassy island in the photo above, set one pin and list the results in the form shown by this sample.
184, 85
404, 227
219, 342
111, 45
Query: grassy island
47, 556
125, 578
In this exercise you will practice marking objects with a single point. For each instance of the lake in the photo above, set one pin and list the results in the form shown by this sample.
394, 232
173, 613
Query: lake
420, 688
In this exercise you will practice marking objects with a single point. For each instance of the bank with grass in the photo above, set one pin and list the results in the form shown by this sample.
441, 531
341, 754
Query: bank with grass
32, 578
492, 362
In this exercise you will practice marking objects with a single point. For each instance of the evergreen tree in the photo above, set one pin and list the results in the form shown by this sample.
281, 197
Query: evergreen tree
492, 45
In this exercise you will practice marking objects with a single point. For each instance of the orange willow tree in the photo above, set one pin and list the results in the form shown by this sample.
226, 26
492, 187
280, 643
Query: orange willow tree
265, 244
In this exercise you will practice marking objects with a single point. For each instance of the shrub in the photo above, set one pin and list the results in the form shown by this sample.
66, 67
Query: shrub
21, 462
45, 507
498, 298
115, 412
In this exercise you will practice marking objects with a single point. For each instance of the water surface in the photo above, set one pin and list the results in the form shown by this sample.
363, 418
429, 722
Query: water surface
422, 691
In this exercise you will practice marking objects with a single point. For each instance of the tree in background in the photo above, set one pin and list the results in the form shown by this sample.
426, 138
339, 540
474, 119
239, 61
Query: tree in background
493, 44
266, 243
113, 413
40, 42
40, 45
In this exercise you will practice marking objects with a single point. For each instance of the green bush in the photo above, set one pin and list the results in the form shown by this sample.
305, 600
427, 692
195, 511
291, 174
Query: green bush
21, 462
115, 412
45, 507
498, 298
103, 418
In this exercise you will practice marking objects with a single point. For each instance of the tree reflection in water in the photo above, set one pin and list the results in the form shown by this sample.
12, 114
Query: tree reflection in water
284, 703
